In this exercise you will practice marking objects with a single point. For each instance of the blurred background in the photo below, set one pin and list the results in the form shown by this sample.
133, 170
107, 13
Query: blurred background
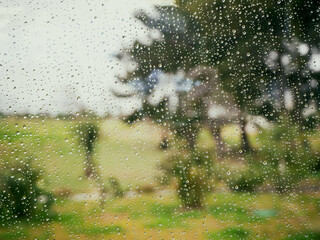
160, 119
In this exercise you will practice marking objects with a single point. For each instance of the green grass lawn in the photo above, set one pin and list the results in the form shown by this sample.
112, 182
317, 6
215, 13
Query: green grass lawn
159, 215
131, 154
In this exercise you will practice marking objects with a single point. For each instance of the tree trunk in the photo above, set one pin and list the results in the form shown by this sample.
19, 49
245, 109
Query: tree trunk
296, 113
89, 168
244, 138
215, 132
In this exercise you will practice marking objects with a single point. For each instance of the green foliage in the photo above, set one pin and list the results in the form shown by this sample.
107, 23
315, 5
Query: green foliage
230, 31
181, 47
286, 156
245, 177
20, 195
193, 171
245, 181
223, 35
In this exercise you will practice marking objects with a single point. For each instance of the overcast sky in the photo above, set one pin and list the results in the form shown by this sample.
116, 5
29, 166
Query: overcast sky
56, 56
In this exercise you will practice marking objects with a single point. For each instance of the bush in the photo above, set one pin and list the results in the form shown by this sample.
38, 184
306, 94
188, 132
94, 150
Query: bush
192, 170
242, 177
246, 181
286, 157
20, 195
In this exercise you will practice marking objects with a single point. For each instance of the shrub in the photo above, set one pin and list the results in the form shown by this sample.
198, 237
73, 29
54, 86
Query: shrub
242, 177
192, 170
287, 157
20, 195
247, 181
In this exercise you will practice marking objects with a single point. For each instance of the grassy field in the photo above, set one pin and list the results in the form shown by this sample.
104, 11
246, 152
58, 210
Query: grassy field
128, 152
159, 216
131, 154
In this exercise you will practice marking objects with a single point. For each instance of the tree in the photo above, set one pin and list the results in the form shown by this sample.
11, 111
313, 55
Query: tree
263, 50
181, 47
249, 42
88, 134
246, 43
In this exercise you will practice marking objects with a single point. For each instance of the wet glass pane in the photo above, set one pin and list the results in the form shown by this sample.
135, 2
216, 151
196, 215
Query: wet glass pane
160, 119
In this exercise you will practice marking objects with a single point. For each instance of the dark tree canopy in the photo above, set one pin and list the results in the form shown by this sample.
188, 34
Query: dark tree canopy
248, 42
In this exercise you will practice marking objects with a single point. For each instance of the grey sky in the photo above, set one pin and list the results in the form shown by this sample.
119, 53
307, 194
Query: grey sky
55, 56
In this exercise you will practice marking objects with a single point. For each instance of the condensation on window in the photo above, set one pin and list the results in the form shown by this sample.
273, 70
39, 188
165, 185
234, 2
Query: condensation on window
160, 119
